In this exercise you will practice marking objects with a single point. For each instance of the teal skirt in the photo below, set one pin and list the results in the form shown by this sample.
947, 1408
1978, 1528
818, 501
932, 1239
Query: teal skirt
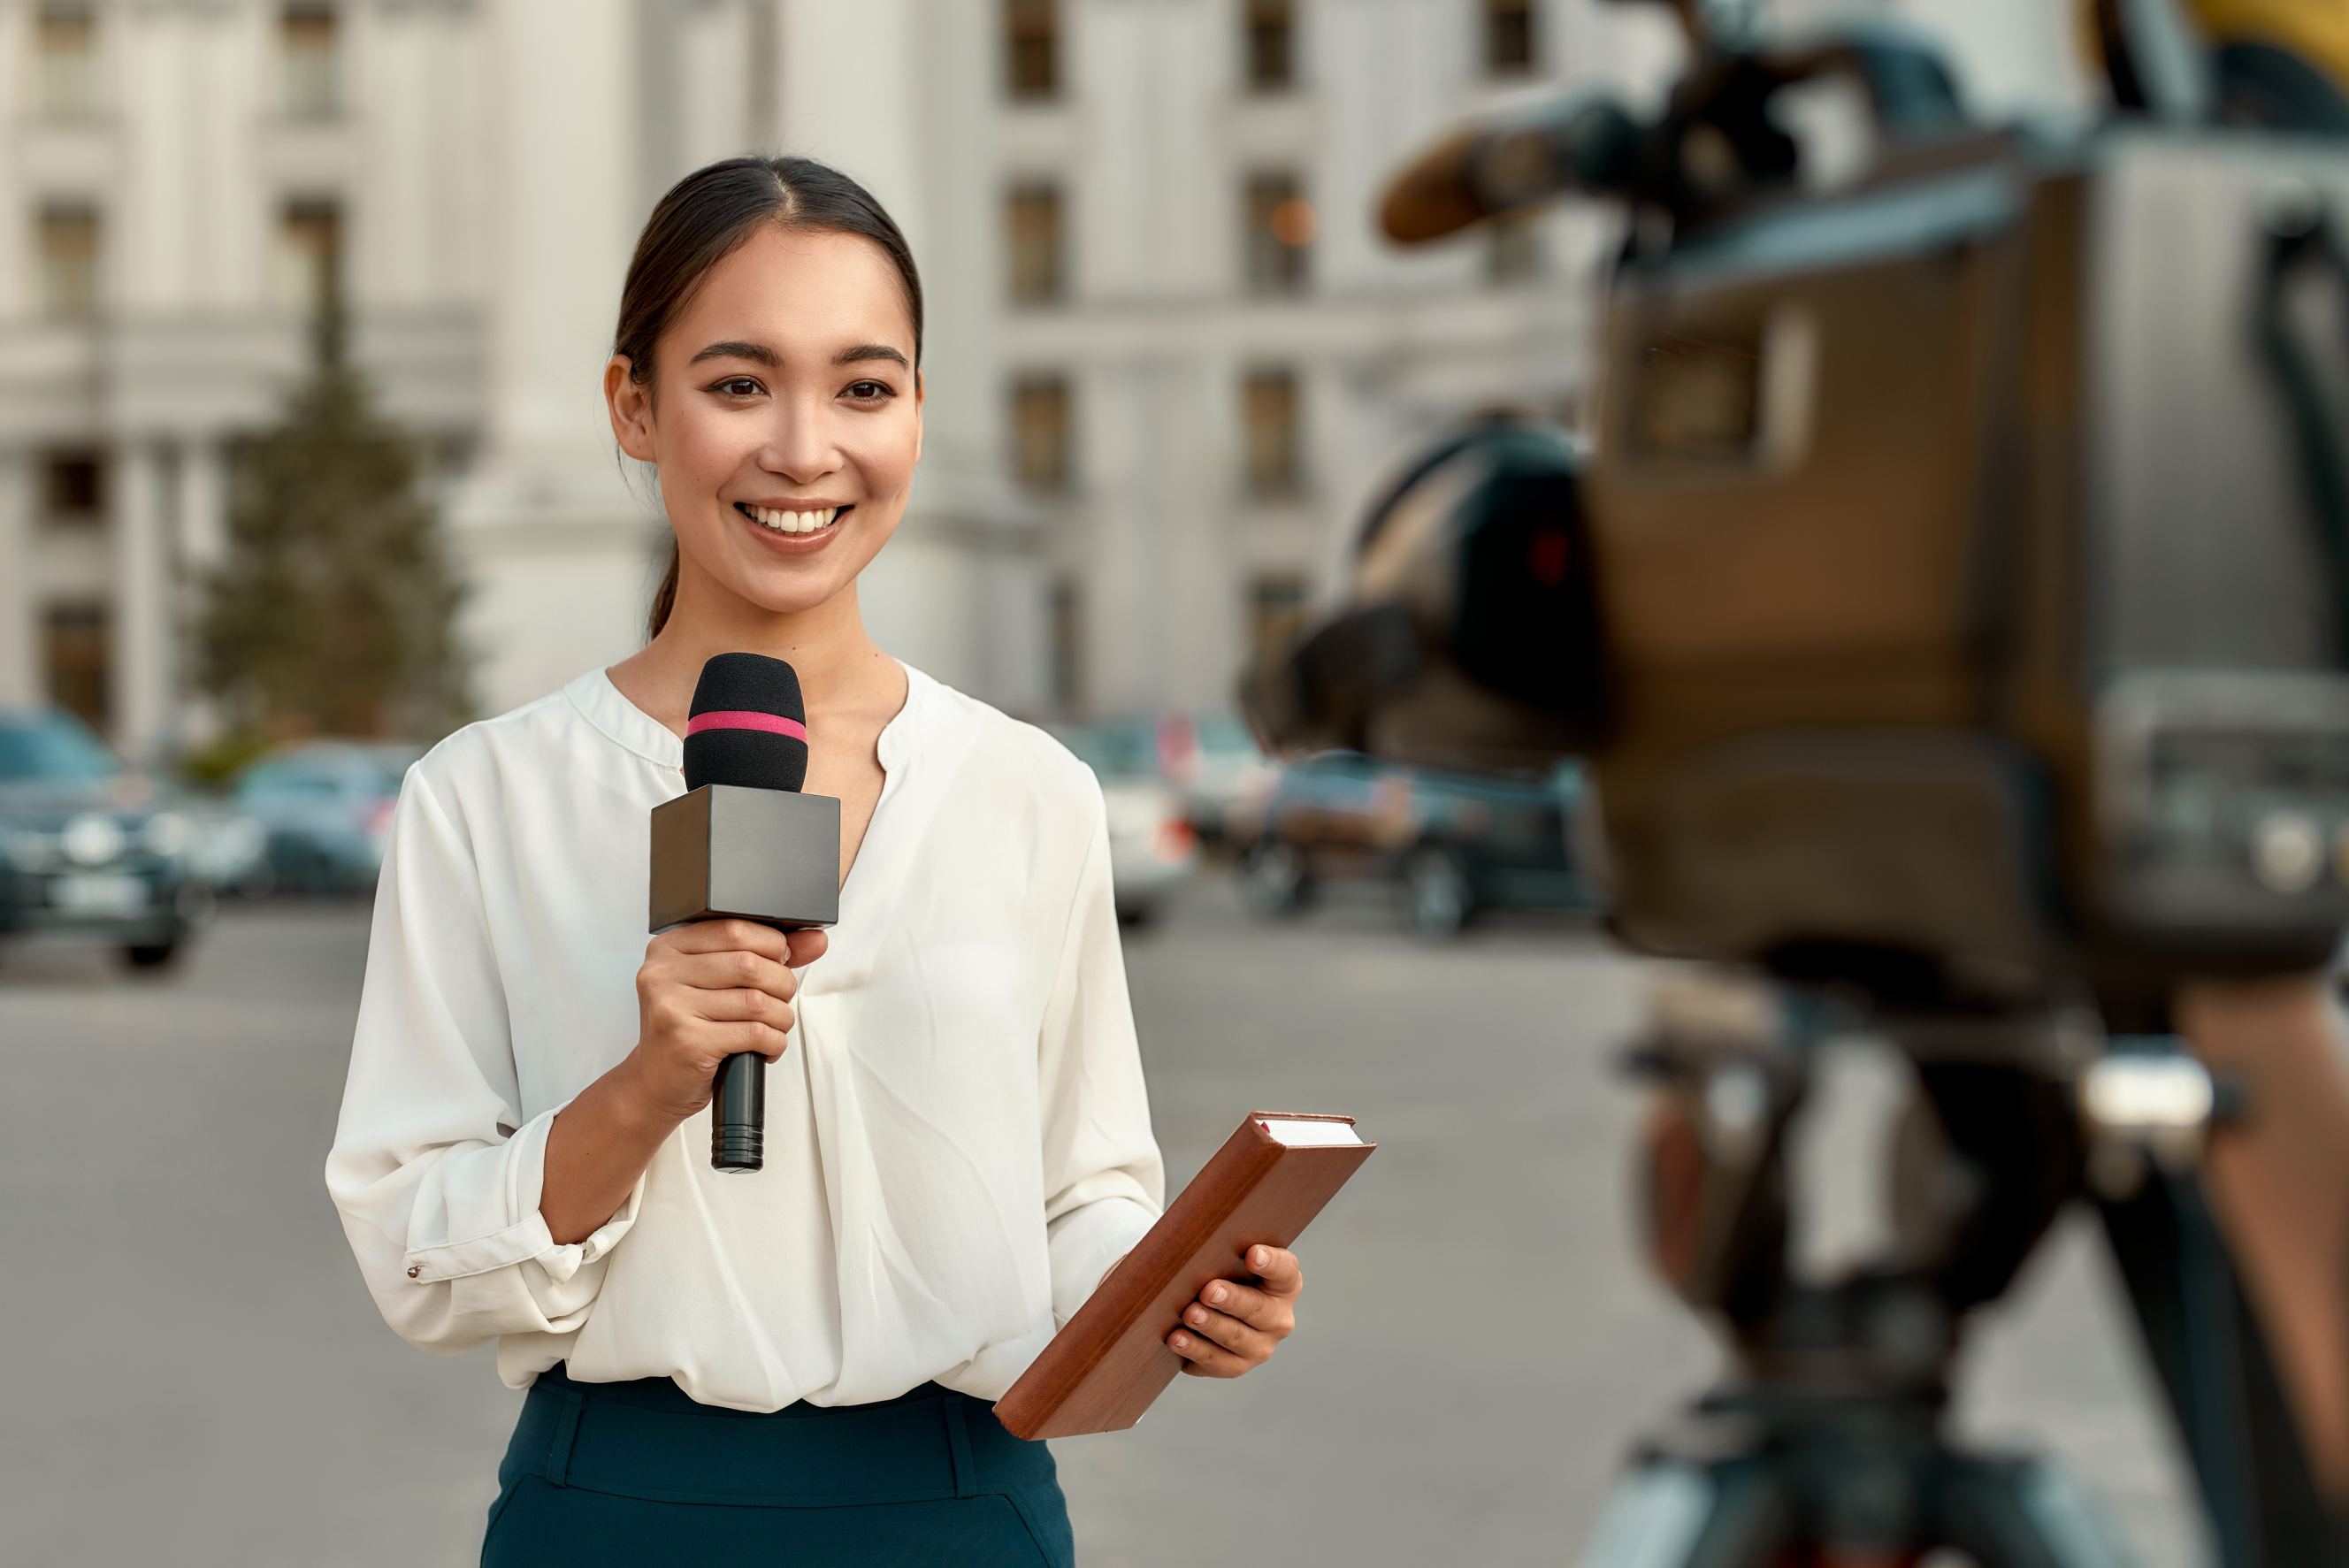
638, 1472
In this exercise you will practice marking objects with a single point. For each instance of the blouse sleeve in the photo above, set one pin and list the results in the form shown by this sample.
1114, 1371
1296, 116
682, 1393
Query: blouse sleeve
435, 1171
1104, 1182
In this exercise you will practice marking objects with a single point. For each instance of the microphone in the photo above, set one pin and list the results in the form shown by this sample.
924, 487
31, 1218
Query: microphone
1516, 161
743, 842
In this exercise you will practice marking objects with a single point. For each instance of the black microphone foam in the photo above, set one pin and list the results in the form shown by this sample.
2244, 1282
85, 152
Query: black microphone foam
747, 724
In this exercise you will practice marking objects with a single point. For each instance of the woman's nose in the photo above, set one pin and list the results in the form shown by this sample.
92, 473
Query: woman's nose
801, 446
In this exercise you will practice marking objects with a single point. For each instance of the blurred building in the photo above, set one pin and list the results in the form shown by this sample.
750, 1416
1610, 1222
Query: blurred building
1167, 358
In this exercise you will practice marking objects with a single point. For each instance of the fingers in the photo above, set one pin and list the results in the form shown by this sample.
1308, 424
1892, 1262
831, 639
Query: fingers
1249, 1343
721, 935
743, 1003
1273, 1314
764, 1039
735, 970
1277, 1270
1203, 1358
807, 947
1234, 1326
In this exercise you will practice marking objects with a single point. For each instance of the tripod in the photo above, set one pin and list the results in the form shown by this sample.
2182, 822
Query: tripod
1824, 1445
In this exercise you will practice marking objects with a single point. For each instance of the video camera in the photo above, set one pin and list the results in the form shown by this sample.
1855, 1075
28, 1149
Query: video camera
1955, 595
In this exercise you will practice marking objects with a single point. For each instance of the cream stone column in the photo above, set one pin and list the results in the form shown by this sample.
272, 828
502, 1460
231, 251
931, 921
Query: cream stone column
20, 653
144, 642
558, 549
201, 515
958, 590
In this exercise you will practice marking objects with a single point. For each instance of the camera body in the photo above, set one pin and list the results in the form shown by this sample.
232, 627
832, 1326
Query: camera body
1955, 595
1963, 588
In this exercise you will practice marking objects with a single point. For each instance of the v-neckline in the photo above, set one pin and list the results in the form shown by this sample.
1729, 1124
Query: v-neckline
666, 747
890, 767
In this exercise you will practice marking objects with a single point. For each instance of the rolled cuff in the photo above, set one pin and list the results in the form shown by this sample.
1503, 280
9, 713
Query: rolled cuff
507, 1200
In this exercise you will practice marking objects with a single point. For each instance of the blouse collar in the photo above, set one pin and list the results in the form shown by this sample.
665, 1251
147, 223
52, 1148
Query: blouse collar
602, 705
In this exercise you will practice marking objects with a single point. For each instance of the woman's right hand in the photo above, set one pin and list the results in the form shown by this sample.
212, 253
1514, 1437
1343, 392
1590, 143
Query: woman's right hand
707, 990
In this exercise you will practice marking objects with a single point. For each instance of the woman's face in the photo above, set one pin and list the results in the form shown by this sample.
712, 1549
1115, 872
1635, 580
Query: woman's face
783, 391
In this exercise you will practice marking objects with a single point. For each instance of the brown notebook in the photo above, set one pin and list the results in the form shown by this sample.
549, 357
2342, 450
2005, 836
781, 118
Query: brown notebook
1101, 1371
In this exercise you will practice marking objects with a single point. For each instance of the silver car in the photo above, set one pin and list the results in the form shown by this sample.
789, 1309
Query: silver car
1152, 847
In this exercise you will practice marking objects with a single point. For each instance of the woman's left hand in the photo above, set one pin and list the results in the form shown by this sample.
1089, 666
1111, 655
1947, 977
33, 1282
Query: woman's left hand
1230, 1328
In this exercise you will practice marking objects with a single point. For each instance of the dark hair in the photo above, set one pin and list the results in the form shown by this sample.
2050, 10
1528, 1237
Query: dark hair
702, 220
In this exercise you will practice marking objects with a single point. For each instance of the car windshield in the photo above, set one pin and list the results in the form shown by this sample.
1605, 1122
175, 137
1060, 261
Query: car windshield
320, 771
1223, 734
58, 749
1114, 751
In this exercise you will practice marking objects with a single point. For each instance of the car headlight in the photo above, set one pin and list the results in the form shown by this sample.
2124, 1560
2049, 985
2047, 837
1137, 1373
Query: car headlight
167, 833
29, 848
92, 839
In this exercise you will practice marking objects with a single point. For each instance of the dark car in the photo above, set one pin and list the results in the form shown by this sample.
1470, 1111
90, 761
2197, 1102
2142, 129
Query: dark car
91, 850
325, 806
1453, 844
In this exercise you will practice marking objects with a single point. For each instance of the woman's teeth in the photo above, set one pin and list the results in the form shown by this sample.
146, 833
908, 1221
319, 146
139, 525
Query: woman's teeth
789, 521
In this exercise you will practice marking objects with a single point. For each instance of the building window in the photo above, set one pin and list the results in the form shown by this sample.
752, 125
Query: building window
1039, 433
309, 256
64, 60
73, 486
74, 638
1279, 227
1032, 49
1032, 229
1513, 247
68, 240
1272, 434
1508, 36
1068, 651
1271, 44
310, 58
1277, 603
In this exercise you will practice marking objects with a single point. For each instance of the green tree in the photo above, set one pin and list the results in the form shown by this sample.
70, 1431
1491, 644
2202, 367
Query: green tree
335, 608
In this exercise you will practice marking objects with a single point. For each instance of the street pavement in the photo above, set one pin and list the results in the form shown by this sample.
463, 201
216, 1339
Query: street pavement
196, 1376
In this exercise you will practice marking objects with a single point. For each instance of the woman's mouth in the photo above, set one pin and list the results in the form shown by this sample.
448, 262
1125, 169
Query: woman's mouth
792, 522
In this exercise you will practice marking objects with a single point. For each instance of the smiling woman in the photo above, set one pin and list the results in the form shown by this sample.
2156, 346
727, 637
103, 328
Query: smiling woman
796, 1365
753, 277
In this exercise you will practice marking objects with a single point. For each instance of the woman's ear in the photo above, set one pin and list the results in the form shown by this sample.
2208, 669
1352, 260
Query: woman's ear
630, 403
918, 394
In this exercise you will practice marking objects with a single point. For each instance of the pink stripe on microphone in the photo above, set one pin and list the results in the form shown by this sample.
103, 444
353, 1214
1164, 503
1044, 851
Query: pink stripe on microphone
746, 718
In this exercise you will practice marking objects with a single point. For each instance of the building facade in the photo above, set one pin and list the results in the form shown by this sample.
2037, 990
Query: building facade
1167, 358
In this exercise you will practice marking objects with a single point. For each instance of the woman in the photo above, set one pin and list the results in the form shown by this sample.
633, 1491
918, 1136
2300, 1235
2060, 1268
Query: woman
798, 1363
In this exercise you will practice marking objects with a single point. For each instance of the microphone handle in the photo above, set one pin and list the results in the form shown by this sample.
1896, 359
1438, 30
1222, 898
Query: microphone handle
737, 1113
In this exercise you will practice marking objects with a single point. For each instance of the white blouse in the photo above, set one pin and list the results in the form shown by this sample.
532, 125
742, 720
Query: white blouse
959, 1141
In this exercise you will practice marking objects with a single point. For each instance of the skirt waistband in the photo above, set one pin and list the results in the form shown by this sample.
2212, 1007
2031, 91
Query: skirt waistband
649, 1439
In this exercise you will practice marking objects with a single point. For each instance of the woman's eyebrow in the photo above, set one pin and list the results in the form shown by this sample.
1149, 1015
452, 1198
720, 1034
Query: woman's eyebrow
756, 353
759, 353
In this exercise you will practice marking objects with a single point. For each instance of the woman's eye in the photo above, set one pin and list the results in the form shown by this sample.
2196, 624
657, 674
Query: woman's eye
866, 391
737, 386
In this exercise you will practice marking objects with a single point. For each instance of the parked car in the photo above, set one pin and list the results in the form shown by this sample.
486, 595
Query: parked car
1208, 759
230, 850
1215, 763
90, 851
1453, 844
325, 806
1150, 846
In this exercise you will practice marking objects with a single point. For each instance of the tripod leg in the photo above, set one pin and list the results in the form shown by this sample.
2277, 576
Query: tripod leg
1669, 1512
2257, 1491
2023, 1513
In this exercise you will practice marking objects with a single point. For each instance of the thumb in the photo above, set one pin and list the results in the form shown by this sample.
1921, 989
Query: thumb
806, 946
